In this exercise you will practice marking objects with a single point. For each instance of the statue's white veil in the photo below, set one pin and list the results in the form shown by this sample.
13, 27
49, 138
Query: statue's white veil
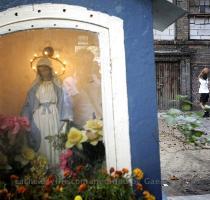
45, 61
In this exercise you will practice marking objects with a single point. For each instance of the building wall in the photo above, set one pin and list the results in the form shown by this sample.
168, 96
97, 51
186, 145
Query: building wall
194, 42
139, 59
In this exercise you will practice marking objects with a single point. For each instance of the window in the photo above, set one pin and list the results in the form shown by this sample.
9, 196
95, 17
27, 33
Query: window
200, 28
200, 6
199, 20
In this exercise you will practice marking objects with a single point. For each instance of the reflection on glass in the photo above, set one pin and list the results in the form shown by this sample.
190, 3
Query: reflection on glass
84, 87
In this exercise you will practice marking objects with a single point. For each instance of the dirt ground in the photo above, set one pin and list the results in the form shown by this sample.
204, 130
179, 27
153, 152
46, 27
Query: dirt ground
185, 168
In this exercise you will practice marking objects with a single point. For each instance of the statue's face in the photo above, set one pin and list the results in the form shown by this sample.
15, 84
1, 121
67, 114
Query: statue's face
44, 72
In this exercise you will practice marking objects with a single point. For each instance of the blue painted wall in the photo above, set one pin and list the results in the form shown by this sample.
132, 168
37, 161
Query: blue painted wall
137, 16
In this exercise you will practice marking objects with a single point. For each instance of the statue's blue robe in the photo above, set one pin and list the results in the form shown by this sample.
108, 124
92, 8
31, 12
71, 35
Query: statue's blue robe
32, 103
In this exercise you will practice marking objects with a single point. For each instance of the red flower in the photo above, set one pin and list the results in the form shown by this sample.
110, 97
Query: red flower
50, 180
14, 177
66, 173
79, 168
118, 173
139, 187
21, 189
111, 170
125, 170
82, 187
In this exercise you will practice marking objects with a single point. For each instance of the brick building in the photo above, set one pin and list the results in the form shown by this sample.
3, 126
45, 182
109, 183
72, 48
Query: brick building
182, 51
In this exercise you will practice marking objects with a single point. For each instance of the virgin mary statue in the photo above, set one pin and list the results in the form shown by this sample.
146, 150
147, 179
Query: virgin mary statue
48, 108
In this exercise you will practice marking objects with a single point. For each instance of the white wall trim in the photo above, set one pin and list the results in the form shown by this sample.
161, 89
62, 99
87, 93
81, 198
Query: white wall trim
113, 67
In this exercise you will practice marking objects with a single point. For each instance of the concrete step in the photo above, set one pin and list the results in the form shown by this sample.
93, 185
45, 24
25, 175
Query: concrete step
193, 197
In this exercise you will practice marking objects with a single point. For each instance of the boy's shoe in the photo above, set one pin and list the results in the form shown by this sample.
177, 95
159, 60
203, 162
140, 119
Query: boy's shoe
206, 114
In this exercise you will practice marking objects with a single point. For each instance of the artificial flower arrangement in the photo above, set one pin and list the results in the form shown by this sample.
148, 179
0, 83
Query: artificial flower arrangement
82, 176
14, 153
85, 143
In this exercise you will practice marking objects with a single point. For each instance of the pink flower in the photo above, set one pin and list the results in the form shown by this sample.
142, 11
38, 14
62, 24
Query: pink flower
14, 124
15, 128
64, 158
68, 153
1, 119
9, 123
24, 122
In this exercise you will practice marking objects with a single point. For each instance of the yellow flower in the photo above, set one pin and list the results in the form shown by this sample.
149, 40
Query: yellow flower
138, 173
39, 167
28, 153
76, 137
59, 188
94, 131
78, 197
42, 160
152, 197
94, 124
93, 137
148, 196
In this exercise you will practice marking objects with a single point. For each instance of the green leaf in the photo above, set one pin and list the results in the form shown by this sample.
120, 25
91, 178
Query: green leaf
192, 139
174, 112
181, 97
186, 107
198, 133
190, 119
170, 120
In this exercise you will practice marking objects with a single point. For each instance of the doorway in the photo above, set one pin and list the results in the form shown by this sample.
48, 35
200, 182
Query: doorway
168, 84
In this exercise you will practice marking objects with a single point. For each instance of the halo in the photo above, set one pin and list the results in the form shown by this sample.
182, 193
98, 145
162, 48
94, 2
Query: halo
48, 52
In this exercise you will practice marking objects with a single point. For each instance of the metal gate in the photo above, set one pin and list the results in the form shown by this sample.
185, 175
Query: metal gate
168, 84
